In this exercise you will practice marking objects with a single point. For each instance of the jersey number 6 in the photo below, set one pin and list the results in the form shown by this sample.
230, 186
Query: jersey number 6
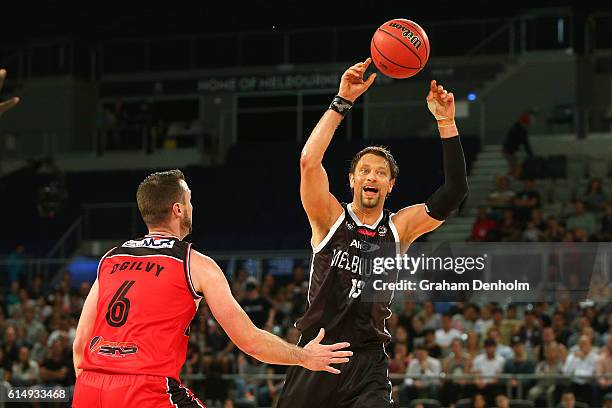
119, 306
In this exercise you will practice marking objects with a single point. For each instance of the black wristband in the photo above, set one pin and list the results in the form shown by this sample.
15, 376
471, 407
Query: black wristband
341, 105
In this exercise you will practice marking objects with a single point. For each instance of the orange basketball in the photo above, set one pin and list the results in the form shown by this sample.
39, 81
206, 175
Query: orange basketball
400, 48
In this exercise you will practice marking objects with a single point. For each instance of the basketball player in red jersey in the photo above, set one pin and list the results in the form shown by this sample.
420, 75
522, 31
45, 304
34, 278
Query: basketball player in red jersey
131, 340
346, 238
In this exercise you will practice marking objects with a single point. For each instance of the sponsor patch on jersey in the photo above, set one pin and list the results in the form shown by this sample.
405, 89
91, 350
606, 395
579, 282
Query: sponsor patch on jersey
112, 348
149, 243
382, 230
350, 225
365, 231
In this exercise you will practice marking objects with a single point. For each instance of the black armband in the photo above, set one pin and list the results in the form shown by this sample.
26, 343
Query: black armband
341, 105
450, 196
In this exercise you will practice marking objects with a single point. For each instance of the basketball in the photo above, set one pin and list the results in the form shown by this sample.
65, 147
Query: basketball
400, 48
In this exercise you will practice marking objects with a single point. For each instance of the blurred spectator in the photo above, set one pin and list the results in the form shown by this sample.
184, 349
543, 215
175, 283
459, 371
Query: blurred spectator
526, 200
502, 197
530, 331
606, 224
482, 226
422, 365
516, 137
502, 401
519, 364
554, 231
446, 334
604, 368
430, 344
552, 364
257, 308
33, 327
568, 400
478, 401
25, 370
472, 346
399, 362
466, 321
15, 264
57, 369
531, 233
458, 362
485, 320
581, 219
581, 366
430, 318
501, 349
562, 332
509, 230
485, 367
594, 198
9, 345
549, 342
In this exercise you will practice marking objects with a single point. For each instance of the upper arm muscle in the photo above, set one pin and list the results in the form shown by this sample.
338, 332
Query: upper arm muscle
412, 222
321, 207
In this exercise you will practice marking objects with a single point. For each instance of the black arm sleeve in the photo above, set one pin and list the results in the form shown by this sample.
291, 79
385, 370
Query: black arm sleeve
448, 197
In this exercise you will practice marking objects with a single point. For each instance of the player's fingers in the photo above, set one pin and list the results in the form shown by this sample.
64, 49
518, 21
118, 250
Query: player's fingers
338, 360
4, 106
440, 88
367, 62
451, 97
332, 370
320, 336
337, 354
429, 96
370, 80
432, 86
338, 346
2, 77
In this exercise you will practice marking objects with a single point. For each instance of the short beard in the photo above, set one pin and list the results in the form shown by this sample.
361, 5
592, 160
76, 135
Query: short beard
369, 204
186, 225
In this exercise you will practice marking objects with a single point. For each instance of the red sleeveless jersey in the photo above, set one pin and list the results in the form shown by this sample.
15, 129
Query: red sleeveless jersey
146, 302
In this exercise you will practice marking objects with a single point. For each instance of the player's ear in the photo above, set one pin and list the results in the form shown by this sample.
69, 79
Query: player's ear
177, 209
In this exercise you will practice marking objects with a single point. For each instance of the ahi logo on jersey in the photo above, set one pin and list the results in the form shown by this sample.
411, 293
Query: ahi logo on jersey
350, 225
364, 246
365, 231
112, 348
149, 243
382, 230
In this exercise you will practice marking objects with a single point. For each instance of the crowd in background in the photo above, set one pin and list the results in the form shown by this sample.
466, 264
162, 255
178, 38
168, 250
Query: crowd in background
512, 216
479, 340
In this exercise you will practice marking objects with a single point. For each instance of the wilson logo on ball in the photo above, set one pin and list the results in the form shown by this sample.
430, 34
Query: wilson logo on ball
408, 34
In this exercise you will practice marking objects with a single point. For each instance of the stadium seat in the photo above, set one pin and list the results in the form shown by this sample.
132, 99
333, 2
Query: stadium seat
517, 403
464, 403
427, 403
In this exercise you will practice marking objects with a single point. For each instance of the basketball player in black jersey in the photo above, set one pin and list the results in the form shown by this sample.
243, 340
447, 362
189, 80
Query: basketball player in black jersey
346, 236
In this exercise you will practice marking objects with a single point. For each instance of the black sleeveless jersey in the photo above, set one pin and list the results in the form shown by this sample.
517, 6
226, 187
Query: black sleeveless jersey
341, 293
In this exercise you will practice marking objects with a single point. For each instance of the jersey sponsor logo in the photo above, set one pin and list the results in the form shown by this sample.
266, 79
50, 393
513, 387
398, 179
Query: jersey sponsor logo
364, 246
350, 225
382, 230
149, 243
112, 348
138, 266
365, 231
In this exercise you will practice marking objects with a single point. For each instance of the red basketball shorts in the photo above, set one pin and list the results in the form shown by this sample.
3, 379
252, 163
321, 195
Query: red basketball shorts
94, 389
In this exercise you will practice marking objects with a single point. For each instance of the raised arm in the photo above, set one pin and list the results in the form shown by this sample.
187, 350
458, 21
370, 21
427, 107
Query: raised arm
209, 279
321, 207
419, 219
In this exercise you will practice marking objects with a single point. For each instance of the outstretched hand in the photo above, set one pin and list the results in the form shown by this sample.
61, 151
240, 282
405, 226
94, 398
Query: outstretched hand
320, 356
352, 84
8, 104
441, 103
